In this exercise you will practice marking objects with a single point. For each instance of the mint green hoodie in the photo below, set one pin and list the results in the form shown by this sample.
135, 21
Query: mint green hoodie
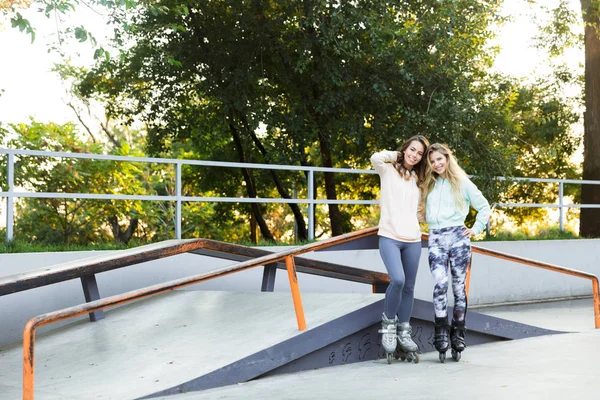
442, 210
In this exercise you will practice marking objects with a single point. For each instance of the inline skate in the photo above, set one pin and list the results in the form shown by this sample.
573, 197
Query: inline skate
407, 349
440, 340
389, 336
457, 338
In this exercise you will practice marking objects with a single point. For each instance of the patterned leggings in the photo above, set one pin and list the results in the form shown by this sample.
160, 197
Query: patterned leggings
449, 246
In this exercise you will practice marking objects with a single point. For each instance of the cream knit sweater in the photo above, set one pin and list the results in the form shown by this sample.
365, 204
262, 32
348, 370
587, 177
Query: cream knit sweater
399, 200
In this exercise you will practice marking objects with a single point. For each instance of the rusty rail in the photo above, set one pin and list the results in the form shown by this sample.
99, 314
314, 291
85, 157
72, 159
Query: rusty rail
547, 266
71, 312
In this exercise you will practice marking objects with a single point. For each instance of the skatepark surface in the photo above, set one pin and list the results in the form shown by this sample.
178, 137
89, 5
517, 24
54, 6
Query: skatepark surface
154, 344
549, 367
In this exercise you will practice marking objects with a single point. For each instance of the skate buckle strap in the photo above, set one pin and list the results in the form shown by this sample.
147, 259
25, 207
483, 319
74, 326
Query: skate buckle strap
404, 334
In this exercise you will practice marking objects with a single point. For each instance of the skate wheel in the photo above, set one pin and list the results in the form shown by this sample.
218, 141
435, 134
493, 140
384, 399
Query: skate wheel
390, 356
403, 358
443, 357
456, 355
416, 358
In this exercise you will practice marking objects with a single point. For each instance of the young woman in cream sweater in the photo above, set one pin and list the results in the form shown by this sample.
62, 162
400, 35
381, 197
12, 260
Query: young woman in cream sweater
401, 172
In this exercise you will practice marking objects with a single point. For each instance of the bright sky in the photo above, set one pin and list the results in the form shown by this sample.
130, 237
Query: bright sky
31, 89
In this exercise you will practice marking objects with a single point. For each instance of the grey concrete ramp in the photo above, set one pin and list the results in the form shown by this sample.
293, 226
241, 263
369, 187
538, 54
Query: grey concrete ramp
161, 342
189, 341
549, 367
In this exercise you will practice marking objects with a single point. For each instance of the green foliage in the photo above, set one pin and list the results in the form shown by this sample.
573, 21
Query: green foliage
331, 84
328, 84
71, 221
23, 25
561, 29
18, 246
550, 233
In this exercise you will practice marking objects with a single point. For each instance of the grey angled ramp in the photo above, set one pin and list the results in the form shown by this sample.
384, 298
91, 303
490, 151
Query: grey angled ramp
347, 339
161, 342
553, 367
192, 340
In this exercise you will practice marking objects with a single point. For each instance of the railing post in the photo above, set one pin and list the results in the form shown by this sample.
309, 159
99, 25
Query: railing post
269, 274
596, 295
91, 293
28, 361
178, 201
380, 287
10, 176
311, 205
468, 278
560, 205
291, 269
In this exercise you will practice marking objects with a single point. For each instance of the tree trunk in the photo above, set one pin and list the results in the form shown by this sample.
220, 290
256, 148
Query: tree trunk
120, 235
334, 210
250, 187
315, 93
253, 235
302, 230
590, 194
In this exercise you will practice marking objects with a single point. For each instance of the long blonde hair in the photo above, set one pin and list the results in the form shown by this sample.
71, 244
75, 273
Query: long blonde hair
419, 168
454, 173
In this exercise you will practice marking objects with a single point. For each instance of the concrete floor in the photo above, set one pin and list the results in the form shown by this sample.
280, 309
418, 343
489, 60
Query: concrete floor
567, 315
550, 367
132, 353
160, 342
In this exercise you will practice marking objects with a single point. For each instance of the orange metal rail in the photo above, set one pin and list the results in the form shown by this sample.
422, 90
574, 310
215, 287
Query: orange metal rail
550, 267
71, 312
286, 256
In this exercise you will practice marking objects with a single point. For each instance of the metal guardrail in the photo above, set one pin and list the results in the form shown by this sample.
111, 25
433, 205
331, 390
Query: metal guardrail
87, 308
547, 266
178, 198
11, 194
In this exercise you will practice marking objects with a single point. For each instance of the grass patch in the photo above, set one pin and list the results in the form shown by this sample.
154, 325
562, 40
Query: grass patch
25, 247
553, 233
17, 246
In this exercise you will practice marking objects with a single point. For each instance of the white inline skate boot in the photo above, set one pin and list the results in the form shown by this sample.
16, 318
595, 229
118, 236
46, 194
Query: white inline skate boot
389, 336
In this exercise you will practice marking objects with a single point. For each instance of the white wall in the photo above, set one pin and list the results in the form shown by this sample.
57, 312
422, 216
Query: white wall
492, 280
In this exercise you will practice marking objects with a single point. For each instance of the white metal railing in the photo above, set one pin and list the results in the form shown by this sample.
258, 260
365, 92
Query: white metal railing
11, 194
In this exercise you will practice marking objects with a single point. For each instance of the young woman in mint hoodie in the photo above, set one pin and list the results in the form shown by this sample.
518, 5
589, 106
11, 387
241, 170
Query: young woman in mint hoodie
401, 173
447, 195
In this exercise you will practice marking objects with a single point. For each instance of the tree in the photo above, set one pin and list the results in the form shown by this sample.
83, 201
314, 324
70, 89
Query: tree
556, 36
590, 194
331, 82
69, 221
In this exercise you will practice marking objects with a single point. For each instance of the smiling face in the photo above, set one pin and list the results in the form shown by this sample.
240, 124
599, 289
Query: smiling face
438, 163
413, 154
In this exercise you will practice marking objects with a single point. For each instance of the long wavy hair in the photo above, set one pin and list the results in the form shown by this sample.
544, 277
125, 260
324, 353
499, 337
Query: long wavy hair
454, 173
419, 168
